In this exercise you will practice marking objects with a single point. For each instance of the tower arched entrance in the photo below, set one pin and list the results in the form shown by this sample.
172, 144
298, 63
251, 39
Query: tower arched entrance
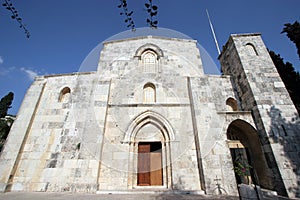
248, 159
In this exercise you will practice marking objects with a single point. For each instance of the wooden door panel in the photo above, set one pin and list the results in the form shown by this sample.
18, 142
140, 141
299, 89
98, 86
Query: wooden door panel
156, 169
144, 164
149, 164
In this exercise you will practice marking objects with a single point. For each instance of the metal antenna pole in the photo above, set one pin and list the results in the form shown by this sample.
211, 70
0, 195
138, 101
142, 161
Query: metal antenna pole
213, 32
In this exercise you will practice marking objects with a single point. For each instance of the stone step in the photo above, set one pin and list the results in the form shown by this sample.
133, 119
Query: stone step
80, 196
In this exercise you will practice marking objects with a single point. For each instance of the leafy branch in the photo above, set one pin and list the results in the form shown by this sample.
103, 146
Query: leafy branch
128, 14
152, 11
242, 169
14, 15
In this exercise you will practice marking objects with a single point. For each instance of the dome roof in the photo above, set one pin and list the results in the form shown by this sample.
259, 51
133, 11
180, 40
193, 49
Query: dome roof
146, 31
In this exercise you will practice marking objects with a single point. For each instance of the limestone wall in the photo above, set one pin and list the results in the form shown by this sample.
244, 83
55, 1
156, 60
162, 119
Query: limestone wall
19, 132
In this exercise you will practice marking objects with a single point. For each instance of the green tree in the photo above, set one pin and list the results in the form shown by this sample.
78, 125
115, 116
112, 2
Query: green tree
289, 76
5, 104
4, 130
293, 33
5, 123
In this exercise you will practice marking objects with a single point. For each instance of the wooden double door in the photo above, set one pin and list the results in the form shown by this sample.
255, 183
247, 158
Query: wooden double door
150, 171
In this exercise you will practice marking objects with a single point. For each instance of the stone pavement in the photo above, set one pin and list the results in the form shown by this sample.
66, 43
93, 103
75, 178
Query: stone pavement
82, 196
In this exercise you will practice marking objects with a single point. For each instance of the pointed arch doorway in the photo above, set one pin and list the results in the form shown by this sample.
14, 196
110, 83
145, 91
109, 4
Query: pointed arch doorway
149, 136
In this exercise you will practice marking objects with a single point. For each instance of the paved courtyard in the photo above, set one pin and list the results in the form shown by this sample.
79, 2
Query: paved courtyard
79, 196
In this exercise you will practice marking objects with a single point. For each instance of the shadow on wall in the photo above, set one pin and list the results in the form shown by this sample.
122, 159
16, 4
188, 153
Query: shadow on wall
287, 133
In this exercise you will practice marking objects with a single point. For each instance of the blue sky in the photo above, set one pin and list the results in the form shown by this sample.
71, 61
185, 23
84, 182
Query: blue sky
64, 32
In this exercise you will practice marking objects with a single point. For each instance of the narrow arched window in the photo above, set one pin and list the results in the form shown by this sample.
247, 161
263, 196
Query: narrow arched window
149, 61
251, 49
231, 104
64, 95
149, 93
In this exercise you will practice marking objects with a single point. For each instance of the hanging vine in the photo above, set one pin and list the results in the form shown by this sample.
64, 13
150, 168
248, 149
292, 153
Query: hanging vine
152, 11
128, 14
14, 15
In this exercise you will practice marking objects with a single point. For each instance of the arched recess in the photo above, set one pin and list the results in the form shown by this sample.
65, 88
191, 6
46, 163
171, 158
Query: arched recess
251, 49
231, 104
149, 135
250, 165
64, 95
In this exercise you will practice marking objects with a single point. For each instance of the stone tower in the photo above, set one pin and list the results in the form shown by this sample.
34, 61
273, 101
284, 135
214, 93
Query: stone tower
260, 90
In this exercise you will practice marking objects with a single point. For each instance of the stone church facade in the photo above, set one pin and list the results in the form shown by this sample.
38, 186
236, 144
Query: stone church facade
150, 119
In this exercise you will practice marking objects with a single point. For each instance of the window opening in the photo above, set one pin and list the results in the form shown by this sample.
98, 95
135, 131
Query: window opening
64, 94
150, 62
149, 93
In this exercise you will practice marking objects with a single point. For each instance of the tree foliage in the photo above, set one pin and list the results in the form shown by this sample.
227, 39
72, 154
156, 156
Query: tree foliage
128, 14
5, 104
15, 15
5, 123
293, 33
152, 11
149, 7
4, 130
289, 76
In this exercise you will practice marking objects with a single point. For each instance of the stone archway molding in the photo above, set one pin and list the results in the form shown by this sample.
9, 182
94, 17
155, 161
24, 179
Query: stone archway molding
145, 118
149, 46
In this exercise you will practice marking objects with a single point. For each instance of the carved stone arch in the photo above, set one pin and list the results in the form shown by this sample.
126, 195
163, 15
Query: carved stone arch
151, 47
246, 149
145, 118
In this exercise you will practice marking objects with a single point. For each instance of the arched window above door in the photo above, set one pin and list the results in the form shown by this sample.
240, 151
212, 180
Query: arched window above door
149, 92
